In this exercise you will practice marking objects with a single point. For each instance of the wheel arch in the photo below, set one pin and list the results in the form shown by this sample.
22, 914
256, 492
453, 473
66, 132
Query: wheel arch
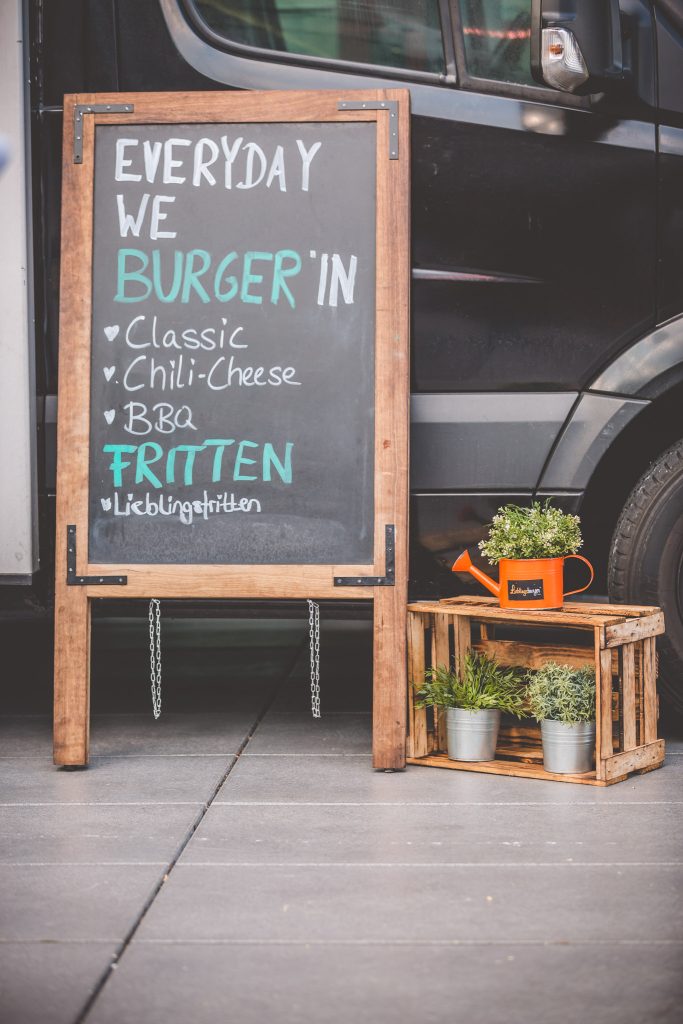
627, 416
656, 426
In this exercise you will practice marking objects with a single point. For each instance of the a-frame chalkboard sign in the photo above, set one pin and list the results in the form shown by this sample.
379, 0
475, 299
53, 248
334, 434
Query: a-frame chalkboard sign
233, 387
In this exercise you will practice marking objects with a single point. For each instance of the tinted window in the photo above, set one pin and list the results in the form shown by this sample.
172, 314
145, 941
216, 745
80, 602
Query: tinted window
496, 35
395, 33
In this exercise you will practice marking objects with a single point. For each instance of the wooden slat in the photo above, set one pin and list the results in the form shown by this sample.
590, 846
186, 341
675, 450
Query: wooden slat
524, 730
235, 108
492, 612
417, 717
511, 653
649, 674
72, 607
627, 610
628, 697
527, 753
462, 635
71, 677
649, 756
392, 396
245, 581
640, 700
603, 709
634, 629
527, 771
440, 736
441, 657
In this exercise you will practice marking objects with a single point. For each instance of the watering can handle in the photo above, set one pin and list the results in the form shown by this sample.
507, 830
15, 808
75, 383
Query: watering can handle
581, 589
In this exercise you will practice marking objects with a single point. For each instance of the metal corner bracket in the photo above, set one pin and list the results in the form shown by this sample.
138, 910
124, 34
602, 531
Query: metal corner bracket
93, 108
390, 105
390, 566
73, 580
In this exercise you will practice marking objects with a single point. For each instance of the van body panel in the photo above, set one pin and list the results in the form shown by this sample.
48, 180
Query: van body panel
483, 441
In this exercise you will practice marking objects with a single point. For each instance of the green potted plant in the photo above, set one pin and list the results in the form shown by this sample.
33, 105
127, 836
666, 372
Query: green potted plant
530, 545
473, 699
562, 699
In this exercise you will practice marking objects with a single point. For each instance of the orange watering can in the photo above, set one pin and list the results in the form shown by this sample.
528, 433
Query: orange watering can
525, 582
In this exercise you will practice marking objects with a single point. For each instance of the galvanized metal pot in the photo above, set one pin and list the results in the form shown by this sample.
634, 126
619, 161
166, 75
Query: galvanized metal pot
472, 735
568, 749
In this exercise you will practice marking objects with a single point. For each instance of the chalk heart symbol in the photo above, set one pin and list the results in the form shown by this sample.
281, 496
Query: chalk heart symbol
109, 415
111, 332
108, 372
106, 504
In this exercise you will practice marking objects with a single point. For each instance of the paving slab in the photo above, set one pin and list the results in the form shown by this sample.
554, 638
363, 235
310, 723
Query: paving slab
112, 780
429, 835
49, 982
545, 903
502, 984
82, 902
337, 733
215, 732
337, 779
25, 735
212, 733
94, 833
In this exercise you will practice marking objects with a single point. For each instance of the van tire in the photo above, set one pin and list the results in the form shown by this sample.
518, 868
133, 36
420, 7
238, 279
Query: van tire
646, 561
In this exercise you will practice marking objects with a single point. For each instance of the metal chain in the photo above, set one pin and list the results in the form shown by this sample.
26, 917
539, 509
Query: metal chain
314, 647
155, 653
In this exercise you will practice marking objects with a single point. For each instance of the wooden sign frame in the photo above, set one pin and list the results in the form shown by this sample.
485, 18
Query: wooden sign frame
77, 581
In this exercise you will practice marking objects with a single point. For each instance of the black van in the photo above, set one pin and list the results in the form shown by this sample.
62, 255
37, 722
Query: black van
547, 218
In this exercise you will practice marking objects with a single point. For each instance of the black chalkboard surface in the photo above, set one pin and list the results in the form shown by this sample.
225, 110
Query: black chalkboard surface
233, 320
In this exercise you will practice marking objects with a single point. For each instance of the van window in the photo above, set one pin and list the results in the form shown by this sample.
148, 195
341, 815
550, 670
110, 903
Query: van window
496, 36
394, 33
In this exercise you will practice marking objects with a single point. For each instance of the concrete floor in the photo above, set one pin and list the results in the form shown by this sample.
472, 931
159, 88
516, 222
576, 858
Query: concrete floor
238, 861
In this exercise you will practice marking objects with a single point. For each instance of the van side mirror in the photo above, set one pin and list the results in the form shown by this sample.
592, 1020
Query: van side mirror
576, 44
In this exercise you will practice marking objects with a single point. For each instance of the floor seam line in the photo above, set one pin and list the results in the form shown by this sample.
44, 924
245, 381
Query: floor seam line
408, 942
204, 807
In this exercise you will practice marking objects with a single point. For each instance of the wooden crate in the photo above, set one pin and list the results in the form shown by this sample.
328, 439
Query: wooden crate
618, 639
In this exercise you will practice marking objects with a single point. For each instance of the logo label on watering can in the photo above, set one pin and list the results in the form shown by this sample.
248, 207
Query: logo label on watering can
525, 590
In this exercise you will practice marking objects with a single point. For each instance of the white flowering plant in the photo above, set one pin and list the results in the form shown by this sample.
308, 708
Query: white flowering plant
540, 531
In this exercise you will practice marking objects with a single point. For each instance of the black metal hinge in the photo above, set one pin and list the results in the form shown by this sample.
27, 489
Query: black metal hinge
93, 108
73, 580
390, 105
390, 566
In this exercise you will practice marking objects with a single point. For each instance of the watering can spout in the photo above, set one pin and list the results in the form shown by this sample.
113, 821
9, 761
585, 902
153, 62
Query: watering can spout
463, 563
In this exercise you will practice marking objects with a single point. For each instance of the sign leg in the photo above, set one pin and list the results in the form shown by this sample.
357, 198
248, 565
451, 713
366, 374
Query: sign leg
72, 676
389, 678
